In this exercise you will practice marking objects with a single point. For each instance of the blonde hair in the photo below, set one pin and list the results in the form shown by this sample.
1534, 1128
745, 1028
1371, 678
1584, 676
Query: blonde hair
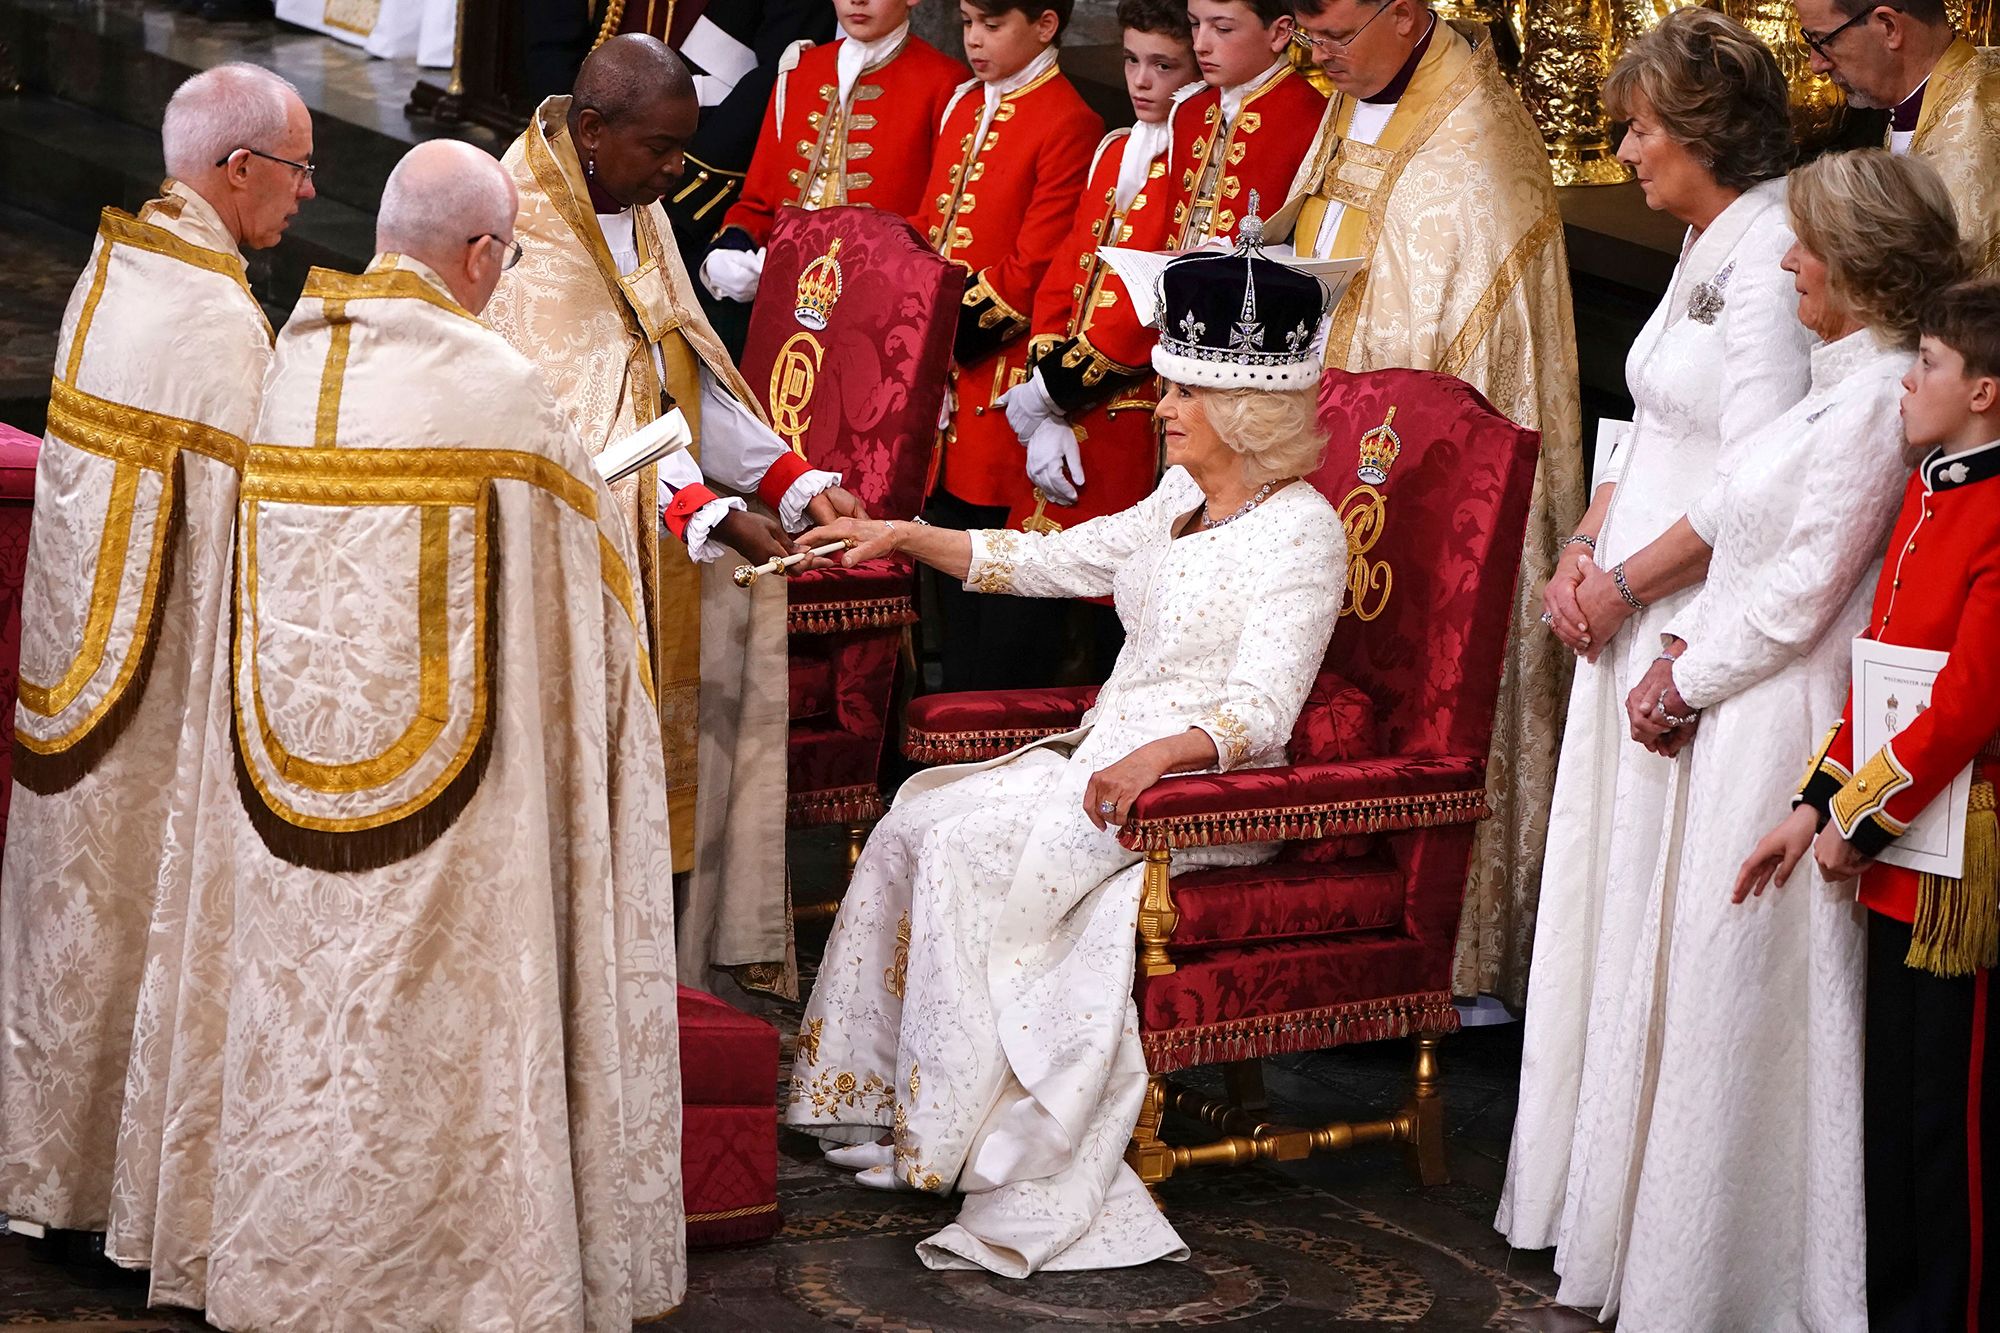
1886, 230
1275, 431
1717, 91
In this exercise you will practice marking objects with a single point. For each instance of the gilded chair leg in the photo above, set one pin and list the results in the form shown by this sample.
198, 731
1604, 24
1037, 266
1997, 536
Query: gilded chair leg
1151, 1159
1157, 916
1424, 1148
1244, 1082
857, 836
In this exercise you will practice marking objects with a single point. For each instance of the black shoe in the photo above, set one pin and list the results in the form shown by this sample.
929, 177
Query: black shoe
236, 11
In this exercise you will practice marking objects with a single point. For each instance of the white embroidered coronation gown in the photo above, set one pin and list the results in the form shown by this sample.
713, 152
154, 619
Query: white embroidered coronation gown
1722, 355
976, 994
1734, 1072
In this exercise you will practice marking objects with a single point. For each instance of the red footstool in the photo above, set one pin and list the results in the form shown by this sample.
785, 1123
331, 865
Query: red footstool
729, 1136
18, 451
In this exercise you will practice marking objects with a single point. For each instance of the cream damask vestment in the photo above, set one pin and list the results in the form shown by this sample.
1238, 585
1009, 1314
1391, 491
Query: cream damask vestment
159, 368
424, 1060
1453, 209
1958, 132
976, 994
718, 651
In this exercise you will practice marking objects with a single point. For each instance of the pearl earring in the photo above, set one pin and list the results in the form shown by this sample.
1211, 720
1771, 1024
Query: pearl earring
590, 166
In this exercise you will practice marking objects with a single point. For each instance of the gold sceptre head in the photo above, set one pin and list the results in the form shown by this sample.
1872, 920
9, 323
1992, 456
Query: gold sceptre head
746, 575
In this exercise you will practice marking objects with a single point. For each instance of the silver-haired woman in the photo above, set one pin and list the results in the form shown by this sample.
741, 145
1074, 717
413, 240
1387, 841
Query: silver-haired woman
976, 994
1717, 1176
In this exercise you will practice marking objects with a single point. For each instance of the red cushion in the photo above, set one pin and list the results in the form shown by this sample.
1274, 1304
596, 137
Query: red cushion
820, 756
728, 1058
1337, 722
1286, 900
872, 581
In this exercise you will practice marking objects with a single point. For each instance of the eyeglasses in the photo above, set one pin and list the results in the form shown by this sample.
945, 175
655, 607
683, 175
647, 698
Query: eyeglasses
305, 169
1819, 42
1321, 45
513, 248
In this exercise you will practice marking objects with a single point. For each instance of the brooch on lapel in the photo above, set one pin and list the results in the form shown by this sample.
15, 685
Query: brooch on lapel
1705, 302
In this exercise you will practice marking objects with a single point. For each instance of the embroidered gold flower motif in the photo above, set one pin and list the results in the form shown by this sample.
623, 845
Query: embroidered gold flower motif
1235, 736
830, 1092
1003, 548
897, 973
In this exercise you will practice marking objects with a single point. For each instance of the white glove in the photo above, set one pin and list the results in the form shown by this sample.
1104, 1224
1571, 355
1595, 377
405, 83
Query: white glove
1050, 449
733, 275
1028, 405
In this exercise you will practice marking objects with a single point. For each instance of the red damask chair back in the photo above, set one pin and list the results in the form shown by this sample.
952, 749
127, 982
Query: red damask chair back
1433, 486
18, 451
850, 342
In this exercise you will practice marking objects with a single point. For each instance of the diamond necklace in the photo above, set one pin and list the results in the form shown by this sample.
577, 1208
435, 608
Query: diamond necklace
1207, 523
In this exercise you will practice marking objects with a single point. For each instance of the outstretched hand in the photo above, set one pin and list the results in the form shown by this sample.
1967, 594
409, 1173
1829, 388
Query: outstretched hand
1776, 854
1111, 792
832, 503
755, 537
872, 538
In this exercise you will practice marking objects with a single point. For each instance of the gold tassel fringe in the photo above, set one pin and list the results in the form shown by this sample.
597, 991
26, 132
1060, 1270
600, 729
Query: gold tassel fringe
1957, 930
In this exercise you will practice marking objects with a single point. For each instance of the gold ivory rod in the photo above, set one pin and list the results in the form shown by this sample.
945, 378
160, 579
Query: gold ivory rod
748, 574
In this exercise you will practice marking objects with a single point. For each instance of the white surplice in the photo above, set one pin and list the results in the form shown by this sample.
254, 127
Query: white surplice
976, 994
1723, 354
1722, 1184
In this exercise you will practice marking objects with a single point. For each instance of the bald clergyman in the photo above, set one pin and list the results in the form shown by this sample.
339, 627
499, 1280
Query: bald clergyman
601, 303
434, 902
159, 368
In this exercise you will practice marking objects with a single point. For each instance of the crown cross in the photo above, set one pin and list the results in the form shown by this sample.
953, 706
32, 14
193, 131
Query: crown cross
1248, 335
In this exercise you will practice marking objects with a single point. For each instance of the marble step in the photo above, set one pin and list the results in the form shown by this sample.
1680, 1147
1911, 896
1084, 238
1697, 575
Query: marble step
65, 163
123, 59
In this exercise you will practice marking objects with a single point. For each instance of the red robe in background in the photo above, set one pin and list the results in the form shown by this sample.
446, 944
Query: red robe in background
1212, 169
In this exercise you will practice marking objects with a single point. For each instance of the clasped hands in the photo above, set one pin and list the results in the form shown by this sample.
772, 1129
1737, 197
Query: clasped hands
1582, 603
1050, 440
1660, 719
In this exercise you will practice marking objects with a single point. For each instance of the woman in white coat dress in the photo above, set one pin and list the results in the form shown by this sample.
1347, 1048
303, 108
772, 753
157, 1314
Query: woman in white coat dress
976, 994
1723, 355
1722, 1189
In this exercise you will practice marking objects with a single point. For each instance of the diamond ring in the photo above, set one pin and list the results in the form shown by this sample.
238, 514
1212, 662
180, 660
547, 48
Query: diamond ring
1548, 619
1106, 807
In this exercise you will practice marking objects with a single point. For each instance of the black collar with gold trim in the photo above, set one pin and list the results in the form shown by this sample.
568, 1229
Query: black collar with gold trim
1944, 472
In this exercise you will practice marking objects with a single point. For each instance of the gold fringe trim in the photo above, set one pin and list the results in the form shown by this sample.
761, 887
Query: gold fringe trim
46, 772
1289, 823
1957, 930
756, 1210
843, 617
970, 747
835, 805
399, 839
1300, 1030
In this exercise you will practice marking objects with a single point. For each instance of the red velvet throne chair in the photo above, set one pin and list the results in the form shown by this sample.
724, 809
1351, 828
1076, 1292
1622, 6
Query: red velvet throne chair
850, 341
1347, 935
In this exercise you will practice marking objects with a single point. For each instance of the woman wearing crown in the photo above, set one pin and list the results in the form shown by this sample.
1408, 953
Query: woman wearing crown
976, 996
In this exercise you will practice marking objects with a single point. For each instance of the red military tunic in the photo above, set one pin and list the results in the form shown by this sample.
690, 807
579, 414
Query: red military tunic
876, 150
1093, 353
1000, 206
1213, 172
1940, 589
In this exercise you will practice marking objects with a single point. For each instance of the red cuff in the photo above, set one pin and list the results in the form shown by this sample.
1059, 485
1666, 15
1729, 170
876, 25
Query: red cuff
687, 502
788, 468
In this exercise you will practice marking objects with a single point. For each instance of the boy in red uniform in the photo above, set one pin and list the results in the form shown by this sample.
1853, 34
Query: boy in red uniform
1931, 1098
853, 122
1091, 389
1012, 152
1248, 129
